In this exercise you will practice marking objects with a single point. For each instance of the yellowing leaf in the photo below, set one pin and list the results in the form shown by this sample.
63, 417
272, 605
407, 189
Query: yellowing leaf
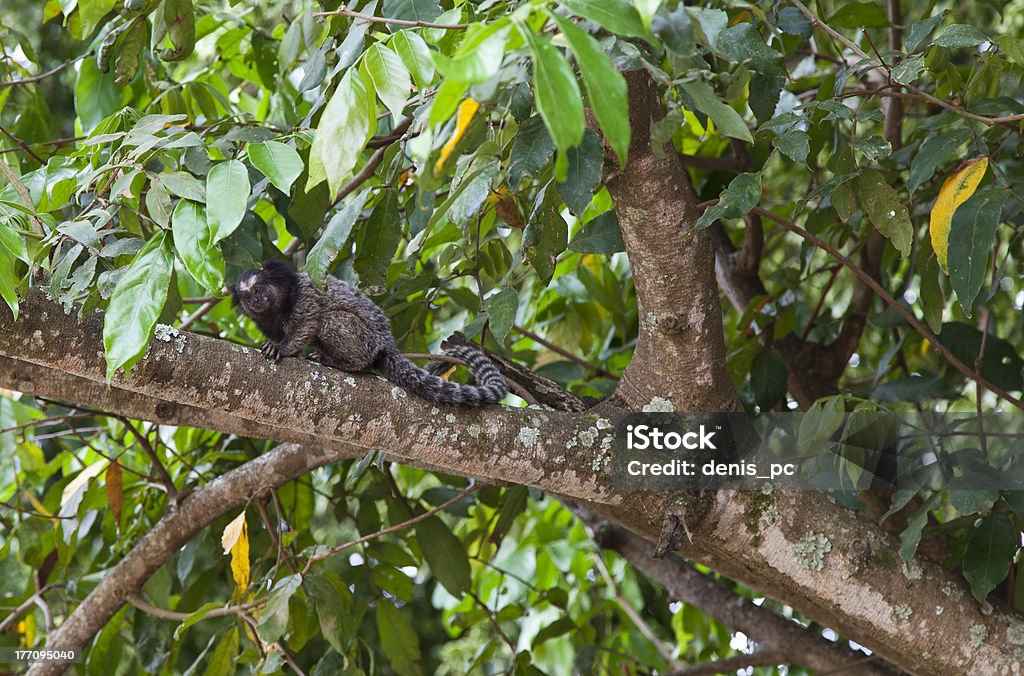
115, 491
81, 480
235, 540
953, 193
467, 109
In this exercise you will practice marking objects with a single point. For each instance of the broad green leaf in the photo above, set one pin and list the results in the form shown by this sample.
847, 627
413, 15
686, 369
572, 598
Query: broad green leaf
931, 154
606, 87
725, 118
228, 182
558, 97
347, 123
911, 535
136, 304
444, 552
225, 655
446, 100
954, 192
195, 616
479, 56
872, 147
274, 617
971, 239
1001, 365
675, 29
819, 423
932, 300
908, 69
501, 309
96, 94
194, 241
183, 184
710, 23
885, 210
743, 44
378, 239
989, 554
741, 195
91, 12
416, 55
13, 242
647, 9
8, 282
279, 162
794, 144
615, 16
960, 35
793, 22
531, 150
411, 10
920, 30
768, 375
857, 14
389, 76
334, 608
600, 236
584, 173
398, 640
323, 254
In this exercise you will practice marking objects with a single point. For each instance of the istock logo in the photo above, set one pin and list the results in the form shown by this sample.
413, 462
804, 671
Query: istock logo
647, 437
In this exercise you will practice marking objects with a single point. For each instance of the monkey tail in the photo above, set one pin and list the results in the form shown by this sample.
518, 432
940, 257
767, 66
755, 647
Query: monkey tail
490, 387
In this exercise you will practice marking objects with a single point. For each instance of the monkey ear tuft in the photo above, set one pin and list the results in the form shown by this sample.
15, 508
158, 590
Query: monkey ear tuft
276, 265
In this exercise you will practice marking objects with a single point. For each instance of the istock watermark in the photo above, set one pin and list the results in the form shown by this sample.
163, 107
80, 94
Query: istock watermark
832, 451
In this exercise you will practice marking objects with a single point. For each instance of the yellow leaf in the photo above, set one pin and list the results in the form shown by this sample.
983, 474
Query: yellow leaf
954, 192
115, 491
235, 540
81, 480
467, 109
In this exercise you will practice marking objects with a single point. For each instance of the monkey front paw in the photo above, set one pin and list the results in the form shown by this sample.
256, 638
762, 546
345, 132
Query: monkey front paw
270, 351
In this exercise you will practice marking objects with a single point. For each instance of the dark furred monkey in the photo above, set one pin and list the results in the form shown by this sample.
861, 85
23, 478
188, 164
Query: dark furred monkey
348, 332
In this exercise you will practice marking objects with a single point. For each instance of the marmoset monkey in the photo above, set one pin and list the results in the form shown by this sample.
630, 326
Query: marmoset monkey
349, 332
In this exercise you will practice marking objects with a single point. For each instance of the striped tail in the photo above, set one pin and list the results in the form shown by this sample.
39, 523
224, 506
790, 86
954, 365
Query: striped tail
490, 387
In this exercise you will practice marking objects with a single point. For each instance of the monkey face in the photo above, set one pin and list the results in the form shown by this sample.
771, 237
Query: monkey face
266, 291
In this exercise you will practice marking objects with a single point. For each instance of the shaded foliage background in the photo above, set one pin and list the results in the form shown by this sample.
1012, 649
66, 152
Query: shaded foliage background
440, 158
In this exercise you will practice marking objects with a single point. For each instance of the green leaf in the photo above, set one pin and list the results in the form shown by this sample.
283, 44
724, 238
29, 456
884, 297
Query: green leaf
615, 16
347, 123
971, 239
445, 554
872, 147
911, 535
91, 12
605, 85
8, 282
793, 22
416, 55
989, 554
819, 423
932, 153
183, 184
501, 310
710, 23
647, 9
743, 44
225, 656
194, 617
228, 182
479, 56
1001, 365
334, 606
584, 173
389, 76
857, 15
398, 640
279, 162
909, 69
134, 307
741, 195
768, 375
378, 240
195, 244
12, 240
920, 30
411, 10
274, 618
885, 210
960, 35
323, 254
96, 94
531, 149
557, 94
794, 144
725, 118
600, 236
675, 30
932, 300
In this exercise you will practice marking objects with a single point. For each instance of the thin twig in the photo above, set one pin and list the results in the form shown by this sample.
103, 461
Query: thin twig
345, 11
563, 352
54, 142
331, 551
165, 614
198, 314
22, 144
43, 76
